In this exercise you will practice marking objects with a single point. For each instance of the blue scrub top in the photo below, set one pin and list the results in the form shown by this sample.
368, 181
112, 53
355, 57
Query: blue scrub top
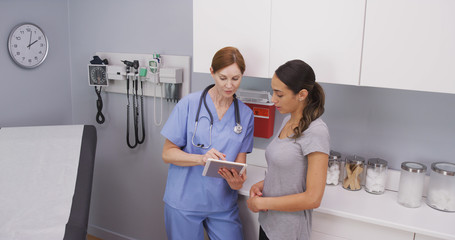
186, 188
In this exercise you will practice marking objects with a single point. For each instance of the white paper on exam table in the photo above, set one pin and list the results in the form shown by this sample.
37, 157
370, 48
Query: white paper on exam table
213, 165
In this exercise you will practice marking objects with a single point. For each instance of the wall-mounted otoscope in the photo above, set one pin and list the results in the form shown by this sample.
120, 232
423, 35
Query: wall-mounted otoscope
135, 99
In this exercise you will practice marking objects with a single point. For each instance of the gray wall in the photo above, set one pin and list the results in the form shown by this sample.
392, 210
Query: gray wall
128, 187
129, 184
396, 125
40, 96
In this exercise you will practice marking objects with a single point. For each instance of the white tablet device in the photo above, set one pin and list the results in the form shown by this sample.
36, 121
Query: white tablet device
213, 165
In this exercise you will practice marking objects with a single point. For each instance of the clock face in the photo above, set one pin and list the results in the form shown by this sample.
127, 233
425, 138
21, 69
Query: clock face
97, 75
27, 45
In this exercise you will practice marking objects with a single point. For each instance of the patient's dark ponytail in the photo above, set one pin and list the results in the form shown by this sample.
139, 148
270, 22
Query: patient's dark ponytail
298, 75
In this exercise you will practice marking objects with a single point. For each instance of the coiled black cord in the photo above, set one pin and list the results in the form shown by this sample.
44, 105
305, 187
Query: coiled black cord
99, 106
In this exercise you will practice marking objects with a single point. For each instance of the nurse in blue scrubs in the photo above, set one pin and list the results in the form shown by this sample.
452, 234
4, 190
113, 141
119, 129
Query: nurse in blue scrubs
207, 124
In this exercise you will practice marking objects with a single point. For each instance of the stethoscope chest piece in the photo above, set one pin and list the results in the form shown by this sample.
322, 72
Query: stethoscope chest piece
238, 128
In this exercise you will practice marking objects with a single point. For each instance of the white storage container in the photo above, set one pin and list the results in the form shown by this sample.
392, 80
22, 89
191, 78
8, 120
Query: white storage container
412, 179
441, 189
376, 176
354, 173
333, 169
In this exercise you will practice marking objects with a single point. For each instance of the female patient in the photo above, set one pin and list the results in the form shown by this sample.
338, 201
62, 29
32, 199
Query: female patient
297, 158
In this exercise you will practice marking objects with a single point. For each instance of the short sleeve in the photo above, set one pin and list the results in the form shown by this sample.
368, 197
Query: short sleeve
175, 128
316, 139
247, 143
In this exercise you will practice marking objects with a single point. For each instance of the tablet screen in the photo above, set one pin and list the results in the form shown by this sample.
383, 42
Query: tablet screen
212, 166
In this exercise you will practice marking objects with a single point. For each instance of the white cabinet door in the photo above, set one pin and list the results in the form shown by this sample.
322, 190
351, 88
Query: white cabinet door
315, 235
344, 228
327, 34
410, 44
239, 23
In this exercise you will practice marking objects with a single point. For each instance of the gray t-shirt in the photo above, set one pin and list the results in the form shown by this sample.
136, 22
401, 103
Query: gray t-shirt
287, 162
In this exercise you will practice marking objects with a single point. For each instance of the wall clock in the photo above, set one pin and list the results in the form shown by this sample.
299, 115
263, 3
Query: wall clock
28, 45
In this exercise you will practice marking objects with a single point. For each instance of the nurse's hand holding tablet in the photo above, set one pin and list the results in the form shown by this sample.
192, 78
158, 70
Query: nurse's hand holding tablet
230, 172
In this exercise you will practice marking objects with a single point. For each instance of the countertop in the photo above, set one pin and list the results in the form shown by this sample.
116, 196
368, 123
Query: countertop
382, 209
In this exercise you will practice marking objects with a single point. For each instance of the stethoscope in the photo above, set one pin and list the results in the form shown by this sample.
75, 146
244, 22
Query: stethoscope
237, 129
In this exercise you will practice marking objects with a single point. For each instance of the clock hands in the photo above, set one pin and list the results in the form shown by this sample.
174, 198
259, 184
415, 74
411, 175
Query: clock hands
32, 43
29, 41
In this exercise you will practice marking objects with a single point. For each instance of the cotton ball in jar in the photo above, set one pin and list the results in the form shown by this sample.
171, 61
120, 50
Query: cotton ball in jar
375, 181
442, 200
412, 179
441, 188
333, 170
333, 174
376, 176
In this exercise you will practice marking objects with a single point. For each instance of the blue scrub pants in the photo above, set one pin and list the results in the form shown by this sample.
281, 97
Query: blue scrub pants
189, 225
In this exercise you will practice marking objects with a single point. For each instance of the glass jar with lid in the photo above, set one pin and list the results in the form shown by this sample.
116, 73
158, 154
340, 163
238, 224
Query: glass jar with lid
412, 179
441, 188
354, 172
376, 176
333, 170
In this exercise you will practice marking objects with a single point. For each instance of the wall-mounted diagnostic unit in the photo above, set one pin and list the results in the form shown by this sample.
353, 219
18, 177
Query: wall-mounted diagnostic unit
171, 69
137, 76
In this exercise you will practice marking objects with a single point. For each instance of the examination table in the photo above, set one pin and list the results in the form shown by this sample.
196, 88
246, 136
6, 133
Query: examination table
46, 177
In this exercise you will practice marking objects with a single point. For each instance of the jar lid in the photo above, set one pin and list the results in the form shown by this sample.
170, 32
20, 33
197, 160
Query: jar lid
334, 155
413, 167
444, 168
355, 159
377, 162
